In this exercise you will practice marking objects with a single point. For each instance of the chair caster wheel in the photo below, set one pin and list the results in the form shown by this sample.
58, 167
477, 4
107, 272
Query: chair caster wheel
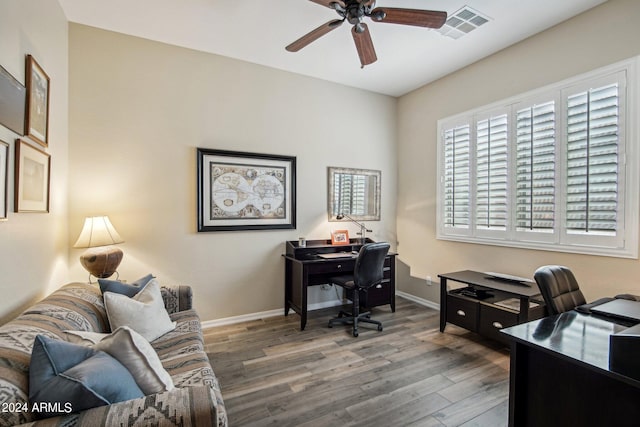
330, 325
380, 328
355, 334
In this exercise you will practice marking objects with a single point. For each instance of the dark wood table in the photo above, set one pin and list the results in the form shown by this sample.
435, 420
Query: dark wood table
304, 267
560, 374
487, 316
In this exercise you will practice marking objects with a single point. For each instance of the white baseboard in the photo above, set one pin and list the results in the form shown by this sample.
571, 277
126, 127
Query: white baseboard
418, 300
265, 314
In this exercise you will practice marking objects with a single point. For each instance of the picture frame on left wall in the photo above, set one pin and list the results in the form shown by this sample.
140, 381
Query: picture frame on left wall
4, 178
32, 178
37, 110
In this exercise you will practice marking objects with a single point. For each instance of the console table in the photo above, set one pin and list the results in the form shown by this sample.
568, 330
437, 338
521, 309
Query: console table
304, 266
499, 303
560, 374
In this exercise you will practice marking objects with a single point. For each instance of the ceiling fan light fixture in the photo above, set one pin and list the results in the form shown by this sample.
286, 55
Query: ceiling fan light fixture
378, 15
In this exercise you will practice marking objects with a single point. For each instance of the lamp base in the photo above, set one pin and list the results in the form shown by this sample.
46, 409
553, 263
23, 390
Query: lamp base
101, 262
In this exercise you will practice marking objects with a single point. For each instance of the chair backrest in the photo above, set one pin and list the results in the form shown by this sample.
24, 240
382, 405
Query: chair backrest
369, 266
559, 288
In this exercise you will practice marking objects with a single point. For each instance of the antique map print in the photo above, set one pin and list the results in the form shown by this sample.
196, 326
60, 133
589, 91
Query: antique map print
247, 191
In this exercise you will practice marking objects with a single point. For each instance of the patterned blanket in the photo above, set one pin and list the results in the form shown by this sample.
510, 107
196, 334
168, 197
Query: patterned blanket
195, 402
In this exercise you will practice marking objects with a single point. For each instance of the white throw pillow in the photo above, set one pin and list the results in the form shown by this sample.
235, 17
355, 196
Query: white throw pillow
84, 337
144, 313
136, 354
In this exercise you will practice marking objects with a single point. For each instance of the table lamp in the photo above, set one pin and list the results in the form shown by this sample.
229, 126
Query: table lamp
101, 259
363, 228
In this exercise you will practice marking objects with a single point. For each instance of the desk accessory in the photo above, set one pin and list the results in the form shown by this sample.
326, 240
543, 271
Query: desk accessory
363, 228
340, 237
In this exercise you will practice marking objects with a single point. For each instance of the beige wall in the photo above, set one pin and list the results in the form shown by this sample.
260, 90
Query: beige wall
33, 246
139, 109
601, 36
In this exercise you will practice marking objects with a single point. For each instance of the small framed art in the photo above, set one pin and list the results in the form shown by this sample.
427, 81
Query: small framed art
4, 168
37, 110
245, 191
340, 237
32, 173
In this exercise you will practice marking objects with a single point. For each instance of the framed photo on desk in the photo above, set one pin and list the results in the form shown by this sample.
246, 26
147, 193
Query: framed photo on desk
340, 237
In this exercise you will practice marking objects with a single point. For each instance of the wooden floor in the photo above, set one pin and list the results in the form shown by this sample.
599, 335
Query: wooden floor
410, 374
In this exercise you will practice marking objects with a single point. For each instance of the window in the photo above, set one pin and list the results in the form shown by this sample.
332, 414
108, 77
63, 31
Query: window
545, 170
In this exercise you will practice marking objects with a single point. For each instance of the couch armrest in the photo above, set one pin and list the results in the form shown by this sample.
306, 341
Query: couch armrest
189, 407
177, 298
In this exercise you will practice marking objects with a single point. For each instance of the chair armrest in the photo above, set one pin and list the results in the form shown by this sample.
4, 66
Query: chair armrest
177, 298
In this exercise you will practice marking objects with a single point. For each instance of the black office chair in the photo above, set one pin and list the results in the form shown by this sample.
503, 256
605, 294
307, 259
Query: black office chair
368, 272
559, 288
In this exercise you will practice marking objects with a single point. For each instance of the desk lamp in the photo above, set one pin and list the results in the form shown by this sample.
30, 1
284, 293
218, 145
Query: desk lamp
363, 228
101, 259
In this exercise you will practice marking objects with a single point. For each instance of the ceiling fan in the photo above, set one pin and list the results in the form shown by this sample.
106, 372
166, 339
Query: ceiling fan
355, 11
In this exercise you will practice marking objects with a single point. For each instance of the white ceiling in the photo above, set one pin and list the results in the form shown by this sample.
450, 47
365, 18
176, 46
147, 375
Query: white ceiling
258, 30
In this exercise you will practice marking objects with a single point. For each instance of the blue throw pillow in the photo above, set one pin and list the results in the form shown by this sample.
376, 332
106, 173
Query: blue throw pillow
127, 289
66, 378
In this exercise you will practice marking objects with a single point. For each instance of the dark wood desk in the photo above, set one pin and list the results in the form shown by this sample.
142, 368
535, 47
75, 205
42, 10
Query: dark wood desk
303, 267
560, 374
486, 315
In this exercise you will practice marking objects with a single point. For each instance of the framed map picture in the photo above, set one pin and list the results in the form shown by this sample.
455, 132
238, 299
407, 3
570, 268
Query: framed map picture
37, 121
245, 191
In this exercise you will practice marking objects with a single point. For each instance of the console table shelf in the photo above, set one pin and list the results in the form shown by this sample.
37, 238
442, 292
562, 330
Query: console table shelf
487, 305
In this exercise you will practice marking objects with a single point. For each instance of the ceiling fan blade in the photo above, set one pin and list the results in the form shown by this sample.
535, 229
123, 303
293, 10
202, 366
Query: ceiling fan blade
314, 35
327, 3
417, 17
366, 52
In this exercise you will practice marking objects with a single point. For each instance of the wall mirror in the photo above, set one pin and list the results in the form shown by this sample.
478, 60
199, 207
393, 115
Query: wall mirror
354, 192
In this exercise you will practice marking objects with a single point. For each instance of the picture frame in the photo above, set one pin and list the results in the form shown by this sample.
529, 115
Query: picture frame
32, 178
37, 108
340, 237
245, 191
12, 102
4, 180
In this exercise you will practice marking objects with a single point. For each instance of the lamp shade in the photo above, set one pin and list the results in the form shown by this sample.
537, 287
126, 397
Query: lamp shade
97, 231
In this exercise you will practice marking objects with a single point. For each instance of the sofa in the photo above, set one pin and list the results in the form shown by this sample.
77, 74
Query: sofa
195, 401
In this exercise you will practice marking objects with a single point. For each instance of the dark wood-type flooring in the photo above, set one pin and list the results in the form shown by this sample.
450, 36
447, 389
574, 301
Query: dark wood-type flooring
410, 374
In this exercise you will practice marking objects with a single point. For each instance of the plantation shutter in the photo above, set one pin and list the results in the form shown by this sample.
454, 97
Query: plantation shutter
536, 168
349, 194
457, 177
491, 173
592, 161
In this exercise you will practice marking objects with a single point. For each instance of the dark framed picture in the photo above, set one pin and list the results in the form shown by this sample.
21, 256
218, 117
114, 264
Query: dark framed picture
37, 111
340, 237
245, 191
4, 177
32, 173
12, 102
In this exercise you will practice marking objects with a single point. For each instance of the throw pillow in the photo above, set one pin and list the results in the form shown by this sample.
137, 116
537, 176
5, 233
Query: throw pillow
84, 337
144, 313
66, 377
137, 355
127, 289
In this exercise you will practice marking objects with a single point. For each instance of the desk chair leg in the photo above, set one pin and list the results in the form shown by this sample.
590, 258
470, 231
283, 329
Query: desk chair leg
355, 316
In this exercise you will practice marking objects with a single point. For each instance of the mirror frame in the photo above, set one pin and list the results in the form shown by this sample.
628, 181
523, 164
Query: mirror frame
376, 174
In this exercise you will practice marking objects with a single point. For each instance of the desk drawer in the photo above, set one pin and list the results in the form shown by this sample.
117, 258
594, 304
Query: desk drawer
493, 319
337, 267
462, 312
378, 295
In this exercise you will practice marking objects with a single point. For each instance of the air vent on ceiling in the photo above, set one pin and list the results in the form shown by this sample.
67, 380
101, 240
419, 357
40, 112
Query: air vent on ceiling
463, 22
